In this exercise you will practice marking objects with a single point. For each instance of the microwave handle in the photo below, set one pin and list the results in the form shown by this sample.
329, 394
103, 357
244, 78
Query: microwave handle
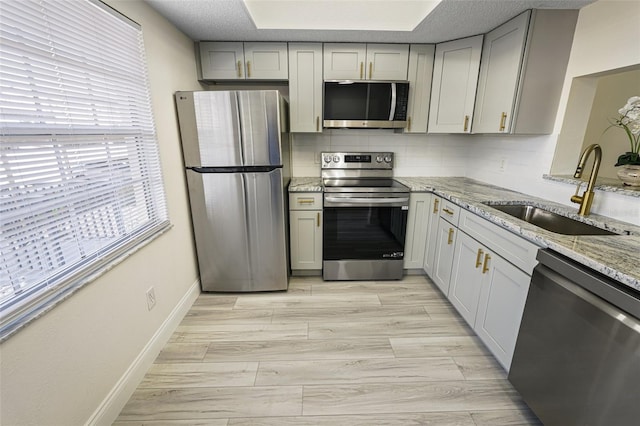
392, 109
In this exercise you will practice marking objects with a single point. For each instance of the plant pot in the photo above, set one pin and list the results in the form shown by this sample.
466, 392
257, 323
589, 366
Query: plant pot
629, 174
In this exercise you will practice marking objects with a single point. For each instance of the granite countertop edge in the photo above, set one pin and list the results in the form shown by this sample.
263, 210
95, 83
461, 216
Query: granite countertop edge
611, 256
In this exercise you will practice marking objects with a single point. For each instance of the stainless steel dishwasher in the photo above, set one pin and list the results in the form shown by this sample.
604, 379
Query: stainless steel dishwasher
577, 356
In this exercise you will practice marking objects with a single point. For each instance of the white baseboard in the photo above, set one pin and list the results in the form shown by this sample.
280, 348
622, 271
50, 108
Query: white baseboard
108, 411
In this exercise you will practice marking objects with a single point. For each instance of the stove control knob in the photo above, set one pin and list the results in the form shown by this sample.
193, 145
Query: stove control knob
336, 159
327, 159
379, 158
387, 159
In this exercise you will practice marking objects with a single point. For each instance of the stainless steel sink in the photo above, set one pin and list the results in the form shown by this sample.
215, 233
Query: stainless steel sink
548, 220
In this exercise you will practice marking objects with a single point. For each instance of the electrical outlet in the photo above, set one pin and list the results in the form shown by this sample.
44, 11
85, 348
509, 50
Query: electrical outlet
151, 298
503, 164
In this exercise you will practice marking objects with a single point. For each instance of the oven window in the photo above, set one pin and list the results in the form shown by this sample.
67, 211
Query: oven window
363, 233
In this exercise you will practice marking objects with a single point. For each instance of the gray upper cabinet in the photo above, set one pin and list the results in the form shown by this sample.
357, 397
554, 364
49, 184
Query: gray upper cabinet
455, 78
305, 87
243, 61
420, 72
361, 61
522, 72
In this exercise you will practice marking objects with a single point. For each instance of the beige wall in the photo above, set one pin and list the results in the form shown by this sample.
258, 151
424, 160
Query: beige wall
59, 369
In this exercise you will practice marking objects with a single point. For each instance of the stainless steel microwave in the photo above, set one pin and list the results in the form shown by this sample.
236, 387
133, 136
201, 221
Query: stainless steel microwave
365, 104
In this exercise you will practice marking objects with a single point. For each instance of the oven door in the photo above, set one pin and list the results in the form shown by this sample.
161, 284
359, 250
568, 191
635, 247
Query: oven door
363, 236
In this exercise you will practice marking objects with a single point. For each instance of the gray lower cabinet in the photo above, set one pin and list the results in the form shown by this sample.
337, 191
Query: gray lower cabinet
485, 272
489, 293
305, 233
417, 230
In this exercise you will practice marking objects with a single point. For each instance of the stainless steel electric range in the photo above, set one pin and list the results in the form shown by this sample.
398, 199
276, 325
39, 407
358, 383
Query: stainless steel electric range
365, 217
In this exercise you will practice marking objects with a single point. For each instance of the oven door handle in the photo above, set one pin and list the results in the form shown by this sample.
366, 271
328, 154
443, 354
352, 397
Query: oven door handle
365, 200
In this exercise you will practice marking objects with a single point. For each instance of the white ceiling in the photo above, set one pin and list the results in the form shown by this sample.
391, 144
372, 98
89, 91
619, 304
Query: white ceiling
228, 20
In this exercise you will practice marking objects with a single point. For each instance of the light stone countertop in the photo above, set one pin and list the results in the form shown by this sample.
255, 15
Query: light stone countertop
617, 256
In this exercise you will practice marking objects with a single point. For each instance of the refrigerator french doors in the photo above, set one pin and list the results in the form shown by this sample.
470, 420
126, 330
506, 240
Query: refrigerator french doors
236, 174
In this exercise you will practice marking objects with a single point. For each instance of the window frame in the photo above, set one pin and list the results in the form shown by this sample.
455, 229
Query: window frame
147, 220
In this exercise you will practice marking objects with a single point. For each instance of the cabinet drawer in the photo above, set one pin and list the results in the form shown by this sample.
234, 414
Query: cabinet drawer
450, 212
511, 247
305, 201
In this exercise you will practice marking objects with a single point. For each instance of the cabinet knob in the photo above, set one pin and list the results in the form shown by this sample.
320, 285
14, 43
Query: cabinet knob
239, 69
479, 258
466, 123
503, 119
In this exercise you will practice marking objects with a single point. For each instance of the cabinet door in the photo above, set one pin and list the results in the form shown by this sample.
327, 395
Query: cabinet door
445, 244
305, 87
502, 54
306, 239
466, 277
344, 61
222, 60
453, 92
387, 61
266, 61
419, 75
500, 308
432, 237
417, 229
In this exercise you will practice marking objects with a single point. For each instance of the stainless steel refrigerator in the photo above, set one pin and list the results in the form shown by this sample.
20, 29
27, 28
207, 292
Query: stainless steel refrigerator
236, 154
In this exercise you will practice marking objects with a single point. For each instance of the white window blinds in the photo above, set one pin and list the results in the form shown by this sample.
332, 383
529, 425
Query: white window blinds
80, 178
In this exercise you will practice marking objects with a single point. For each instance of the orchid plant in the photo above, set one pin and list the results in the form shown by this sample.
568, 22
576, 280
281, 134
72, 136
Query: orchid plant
629, 121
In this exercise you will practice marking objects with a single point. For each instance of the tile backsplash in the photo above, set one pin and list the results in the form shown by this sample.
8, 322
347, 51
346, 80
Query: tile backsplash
513, 162
415, 155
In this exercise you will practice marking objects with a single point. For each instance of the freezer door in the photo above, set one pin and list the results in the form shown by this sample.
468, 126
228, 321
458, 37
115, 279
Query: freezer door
239, 228
209, 129
260, 127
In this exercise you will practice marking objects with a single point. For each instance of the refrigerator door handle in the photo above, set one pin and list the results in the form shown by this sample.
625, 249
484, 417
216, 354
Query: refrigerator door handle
240, 130
245, 202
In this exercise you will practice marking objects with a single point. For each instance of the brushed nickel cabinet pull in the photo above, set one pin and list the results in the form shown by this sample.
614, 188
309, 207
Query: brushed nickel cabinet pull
503, 119
239, 69
466, 123
435, 205
479, 258
485, 266
450, 237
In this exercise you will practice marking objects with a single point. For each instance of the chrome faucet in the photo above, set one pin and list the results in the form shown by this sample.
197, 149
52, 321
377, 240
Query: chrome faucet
586, 198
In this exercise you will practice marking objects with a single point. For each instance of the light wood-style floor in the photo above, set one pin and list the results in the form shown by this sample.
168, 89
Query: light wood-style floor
326, 353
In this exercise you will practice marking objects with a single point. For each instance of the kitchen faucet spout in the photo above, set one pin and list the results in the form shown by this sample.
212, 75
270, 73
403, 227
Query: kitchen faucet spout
586, 199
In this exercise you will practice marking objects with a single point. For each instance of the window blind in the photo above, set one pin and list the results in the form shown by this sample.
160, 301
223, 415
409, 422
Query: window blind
80, 178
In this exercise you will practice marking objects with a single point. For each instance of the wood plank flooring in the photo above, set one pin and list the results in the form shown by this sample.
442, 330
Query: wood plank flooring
326, 353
